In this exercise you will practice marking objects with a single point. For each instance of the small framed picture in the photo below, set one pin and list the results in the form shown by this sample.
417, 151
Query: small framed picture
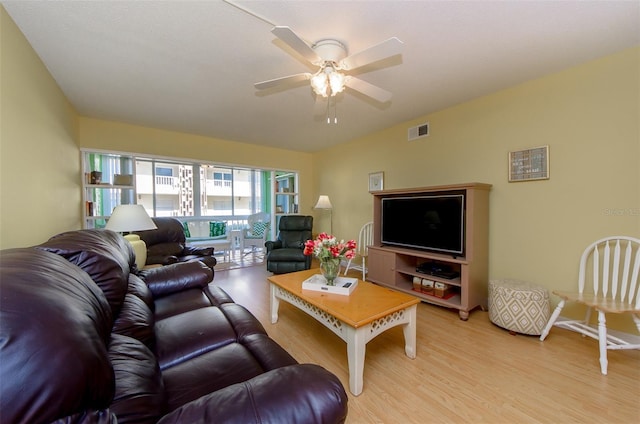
529, 165
376, 181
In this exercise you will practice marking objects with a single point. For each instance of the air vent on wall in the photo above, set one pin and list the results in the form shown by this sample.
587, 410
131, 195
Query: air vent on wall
419, 131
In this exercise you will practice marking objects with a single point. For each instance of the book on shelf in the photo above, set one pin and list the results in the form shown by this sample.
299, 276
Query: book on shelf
89, 208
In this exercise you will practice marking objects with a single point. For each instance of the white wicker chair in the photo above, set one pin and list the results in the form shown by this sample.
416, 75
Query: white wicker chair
256, 235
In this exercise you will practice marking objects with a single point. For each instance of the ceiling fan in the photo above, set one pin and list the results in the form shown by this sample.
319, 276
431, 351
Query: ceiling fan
330, 56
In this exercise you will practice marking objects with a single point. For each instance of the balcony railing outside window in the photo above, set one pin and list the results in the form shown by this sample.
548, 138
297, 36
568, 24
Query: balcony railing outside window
221, 183
186, 190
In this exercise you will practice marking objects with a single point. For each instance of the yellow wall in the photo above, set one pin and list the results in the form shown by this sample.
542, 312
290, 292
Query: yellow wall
589, 116
39, 160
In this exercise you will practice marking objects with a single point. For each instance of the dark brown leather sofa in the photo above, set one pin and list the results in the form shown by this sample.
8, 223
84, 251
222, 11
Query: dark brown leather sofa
85, 340
167, 244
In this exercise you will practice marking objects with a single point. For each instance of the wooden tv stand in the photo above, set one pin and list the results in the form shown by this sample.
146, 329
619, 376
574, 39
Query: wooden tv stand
395, 267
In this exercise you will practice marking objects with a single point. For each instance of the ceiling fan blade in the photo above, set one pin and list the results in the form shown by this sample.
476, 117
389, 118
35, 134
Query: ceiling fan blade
388, 48
367, 89
283, 80
292, 39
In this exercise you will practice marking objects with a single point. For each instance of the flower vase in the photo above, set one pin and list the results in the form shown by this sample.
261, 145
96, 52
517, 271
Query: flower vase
330, 269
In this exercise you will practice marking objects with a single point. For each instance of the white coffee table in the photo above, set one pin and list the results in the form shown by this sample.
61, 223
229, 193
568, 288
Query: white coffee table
358, 318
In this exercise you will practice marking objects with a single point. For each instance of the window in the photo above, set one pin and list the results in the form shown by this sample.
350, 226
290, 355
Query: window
164, 172
186, 190
183, 189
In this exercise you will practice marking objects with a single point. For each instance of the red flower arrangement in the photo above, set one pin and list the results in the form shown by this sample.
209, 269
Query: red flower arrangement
328, 247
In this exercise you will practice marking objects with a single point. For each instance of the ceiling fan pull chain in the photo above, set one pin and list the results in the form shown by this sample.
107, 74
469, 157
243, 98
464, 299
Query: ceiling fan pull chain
328, 105
335, 110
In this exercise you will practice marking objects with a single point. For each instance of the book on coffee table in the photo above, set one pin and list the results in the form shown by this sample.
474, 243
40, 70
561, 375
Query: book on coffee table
342, 285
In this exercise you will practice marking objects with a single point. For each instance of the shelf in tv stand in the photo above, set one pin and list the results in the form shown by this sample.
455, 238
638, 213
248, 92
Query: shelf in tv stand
414, 273
426, 255
402, 264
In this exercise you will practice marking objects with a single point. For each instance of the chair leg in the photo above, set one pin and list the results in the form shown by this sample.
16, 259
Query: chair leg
363, 270
253, 249
552, 320
636, 319
587, 315
347, 267
602, 341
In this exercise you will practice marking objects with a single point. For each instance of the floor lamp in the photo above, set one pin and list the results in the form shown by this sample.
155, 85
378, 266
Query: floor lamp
127, 218
325, 203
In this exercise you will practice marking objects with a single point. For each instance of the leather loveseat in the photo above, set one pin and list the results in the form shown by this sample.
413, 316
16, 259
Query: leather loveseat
168, 245
85, 340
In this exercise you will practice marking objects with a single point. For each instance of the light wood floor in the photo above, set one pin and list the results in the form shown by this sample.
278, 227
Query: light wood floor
465, 372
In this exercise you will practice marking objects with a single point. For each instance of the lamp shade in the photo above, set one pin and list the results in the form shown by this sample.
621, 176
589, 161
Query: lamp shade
130, 218
323, 202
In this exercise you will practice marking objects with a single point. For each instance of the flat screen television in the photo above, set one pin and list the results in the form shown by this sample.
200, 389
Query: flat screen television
431, 222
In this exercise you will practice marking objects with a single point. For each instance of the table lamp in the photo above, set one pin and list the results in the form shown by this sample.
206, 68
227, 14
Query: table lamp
325, 203
127, 218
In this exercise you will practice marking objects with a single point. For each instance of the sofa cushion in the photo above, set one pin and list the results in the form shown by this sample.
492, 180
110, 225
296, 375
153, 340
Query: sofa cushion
184, 336
267, 352
217, 295
185, 227
208, 372
139, 288
222, 367
139, 393
242, 321
135, 320
304, 393
258, 229
180, 302
54, 326
217, 228
210, 348
106, 256
198, 229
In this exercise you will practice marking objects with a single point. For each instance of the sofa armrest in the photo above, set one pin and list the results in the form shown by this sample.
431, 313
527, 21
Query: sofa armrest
90, 416
177, 277
303, 393
271, 245
161, 260
198, 251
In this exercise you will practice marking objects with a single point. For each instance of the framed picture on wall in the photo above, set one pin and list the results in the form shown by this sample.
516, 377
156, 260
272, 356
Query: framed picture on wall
530, 164
376, 181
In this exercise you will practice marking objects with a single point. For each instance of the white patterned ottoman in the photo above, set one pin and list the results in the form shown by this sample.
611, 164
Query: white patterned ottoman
518, 306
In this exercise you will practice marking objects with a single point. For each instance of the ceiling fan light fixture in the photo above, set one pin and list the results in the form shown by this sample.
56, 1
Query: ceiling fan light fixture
320, 84
330, 56
327, 81
336, 82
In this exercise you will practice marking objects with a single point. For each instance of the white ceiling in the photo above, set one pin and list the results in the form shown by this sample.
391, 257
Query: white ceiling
190, 66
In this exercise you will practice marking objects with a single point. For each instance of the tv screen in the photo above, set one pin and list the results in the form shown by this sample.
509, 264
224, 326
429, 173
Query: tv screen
434, 222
